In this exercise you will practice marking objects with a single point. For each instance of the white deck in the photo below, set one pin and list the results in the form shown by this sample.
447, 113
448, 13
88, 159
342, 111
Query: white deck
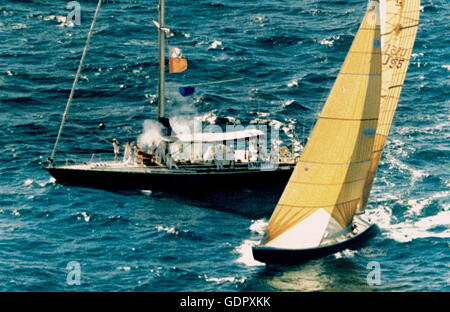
120, 166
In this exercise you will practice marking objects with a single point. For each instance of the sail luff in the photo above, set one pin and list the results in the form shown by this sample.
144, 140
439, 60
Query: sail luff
400, 20
327, 183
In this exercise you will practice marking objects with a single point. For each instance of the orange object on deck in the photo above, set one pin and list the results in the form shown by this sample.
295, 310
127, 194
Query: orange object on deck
177, 65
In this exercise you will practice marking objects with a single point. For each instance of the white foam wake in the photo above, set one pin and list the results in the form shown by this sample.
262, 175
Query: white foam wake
258, 226
407, 231
417, 204
347, 253
230, 279
244, 250
245, 253
28, 182
414, 227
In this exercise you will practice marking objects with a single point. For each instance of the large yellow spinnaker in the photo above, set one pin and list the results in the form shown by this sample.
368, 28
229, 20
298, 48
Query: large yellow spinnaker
325, 188
399, 23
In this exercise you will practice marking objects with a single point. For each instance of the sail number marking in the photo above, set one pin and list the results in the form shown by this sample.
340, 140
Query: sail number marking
394, 56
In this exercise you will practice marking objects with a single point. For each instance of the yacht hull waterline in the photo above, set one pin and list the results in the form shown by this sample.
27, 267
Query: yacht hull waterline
283, 256
180, 180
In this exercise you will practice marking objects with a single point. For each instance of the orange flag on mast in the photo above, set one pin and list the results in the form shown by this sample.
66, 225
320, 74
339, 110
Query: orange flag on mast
177, 63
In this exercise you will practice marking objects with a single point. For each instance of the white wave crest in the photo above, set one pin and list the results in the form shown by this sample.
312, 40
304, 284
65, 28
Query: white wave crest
245, 253
19, 26
170, 230
416, 174
347, 253
414, 227
259, 226
418, 204
215, 44
231, 279
62, 20
288, 102
293, 83
166, 229
329, 41
407, 231
52, 180
85, 216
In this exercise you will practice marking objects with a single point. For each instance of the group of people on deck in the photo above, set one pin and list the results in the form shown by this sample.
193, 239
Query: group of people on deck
127, 154
159, 155
156, 155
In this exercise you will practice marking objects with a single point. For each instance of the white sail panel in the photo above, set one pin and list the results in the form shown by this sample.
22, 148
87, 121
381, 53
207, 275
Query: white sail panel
306, 234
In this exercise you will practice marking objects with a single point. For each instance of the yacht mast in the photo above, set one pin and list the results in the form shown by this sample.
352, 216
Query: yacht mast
161, 39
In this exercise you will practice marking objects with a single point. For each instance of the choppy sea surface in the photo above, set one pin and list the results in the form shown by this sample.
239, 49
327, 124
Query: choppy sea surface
289, 53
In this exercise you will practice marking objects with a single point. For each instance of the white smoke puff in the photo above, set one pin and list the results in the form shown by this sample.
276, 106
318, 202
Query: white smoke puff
184, 125
151, 134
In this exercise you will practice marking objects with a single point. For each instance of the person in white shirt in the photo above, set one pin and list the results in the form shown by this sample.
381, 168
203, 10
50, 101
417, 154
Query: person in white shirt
116, 147
127, 152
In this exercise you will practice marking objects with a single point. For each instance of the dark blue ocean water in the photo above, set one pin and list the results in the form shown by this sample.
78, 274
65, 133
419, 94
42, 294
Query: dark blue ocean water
289, 51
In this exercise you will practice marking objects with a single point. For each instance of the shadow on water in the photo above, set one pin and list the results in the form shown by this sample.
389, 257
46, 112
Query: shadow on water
249, 203
254, 204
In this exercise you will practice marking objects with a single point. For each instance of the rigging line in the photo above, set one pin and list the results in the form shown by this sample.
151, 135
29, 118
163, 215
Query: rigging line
75, 82
89, 131
401, 28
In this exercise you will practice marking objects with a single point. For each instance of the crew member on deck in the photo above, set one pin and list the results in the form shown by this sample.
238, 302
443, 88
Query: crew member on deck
170, 162
136, 158
210, 153
116, 147
146, 158
219, 158
231, 155
127, 152
161, 152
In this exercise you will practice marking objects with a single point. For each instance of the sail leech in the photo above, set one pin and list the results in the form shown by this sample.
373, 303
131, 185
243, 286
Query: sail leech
399, 23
